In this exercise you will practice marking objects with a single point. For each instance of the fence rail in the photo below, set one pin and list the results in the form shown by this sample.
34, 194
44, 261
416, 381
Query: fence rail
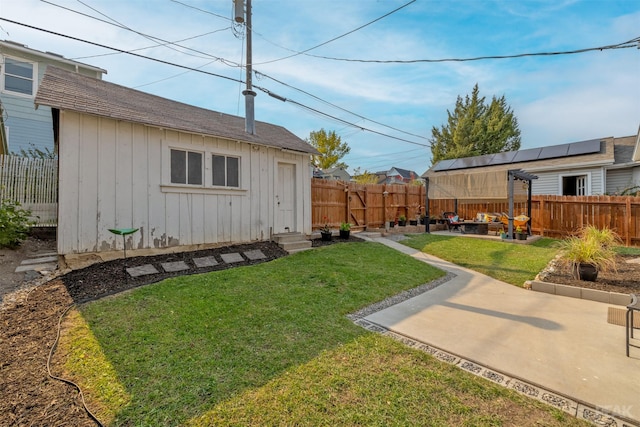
34, 184
371, 205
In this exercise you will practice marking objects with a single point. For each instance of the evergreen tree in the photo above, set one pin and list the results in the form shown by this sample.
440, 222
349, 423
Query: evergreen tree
475, 128
331, 149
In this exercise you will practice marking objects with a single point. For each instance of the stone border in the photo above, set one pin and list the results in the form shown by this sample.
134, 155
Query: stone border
607, 297
578, 409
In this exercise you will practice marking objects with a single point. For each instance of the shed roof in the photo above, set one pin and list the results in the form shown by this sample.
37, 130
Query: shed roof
71, 91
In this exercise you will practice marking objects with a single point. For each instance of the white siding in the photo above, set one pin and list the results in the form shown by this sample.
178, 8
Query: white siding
550, 182
113, 174
618, 180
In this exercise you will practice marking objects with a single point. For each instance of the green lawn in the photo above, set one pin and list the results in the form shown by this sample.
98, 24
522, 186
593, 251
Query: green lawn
509, 262
270, 345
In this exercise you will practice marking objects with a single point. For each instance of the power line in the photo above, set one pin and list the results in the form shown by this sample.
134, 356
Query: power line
624, 45
214, 75
231, 63
338, 37
152, 38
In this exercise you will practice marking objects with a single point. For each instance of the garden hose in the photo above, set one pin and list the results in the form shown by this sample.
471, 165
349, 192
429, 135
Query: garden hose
71, 383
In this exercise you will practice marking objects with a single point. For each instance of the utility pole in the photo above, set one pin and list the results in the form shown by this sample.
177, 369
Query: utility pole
249, 94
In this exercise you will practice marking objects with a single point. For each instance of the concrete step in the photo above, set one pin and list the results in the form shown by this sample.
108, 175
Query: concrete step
288, 237
300, 244
40, 260
293, 251
43, 254
36, 267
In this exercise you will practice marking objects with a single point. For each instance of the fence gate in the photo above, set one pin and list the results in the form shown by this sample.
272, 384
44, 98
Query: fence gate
34, 184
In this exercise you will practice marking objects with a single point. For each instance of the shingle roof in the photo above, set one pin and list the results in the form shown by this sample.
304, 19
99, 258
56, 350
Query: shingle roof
623, 149
71, 91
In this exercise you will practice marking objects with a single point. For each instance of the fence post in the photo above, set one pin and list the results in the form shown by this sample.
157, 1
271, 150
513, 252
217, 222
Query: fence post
627, 225
347, 196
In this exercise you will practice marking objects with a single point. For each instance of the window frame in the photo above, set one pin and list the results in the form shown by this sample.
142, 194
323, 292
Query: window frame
207, 186
187, 169
226, 170
33, 79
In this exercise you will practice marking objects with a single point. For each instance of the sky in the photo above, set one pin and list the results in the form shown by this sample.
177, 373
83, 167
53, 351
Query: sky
357, 67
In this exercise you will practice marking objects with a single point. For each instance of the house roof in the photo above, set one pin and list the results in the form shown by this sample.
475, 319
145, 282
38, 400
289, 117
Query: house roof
623, 149
405, 173
71, 91
19, 47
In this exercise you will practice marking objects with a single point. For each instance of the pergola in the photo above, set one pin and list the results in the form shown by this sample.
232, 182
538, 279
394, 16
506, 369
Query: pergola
494, 184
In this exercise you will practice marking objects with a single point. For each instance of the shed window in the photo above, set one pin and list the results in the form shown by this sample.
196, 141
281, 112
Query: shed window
186, 167
574, 185
18, 76
226, 170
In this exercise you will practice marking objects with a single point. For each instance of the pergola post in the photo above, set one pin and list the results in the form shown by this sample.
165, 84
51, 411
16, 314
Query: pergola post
426, 206
510, 191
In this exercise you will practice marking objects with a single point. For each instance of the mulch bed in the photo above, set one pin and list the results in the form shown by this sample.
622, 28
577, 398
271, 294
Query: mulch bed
624, 279
28, 397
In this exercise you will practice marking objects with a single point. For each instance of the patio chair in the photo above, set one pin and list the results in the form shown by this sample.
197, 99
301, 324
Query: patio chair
453, 222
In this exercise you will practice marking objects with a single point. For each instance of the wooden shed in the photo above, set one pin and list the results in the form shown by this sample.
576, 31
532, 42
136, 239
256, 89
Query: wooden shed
187, 177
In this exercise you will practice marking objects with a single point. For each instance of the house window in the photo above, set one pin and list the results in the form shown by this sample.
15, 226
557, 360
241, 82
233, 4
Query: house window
574, 185
226, 170
186, 167
18, 76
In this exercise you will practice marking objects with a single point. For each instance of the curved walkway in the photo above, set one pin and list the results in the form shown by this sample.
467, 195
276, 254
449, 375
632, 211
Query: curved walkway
557, 349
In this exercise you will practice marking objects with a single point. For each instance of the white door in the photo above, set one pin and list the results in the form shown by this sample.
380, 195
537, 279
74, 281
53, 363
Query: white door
285, 198
581, 186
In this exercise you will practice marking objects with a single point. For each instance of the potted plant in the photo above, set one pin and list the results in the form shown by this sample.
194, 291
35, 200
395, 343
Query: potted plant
402, 220
503, 234
520, 234
589, 252
345, 230
415, 208
325, 231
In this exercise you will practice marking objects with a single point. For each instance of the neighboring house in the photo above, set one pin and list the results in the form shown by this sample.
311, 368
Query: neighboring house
183, 175
599, 166
21, 70
396, 176
332, 173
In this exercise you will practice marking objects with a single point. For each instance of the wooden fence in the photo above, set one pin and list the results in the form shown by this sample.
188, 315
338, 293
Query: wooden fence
365, 206
34, 184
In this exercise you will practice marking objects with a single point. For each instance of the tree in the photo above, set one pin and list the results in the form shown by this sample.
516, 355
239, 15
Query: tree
475, 128
331, 149
365, 177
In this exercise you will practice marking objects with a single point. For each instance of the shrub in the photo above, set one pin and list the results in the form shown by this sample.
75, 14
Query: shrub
14, 223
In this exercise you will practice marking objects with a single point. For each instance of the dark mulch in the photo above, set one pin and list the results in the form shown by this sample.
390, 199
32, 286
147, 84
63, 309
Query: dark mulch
28, 397
624, 279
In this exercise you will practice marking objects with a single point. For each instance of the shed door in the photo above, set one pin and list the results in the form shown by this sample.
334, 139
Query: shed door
285, 198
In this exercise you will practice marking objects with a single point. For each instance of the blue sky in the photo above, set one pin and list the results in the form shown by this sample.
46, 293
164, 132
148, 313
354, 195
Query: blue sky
556, 99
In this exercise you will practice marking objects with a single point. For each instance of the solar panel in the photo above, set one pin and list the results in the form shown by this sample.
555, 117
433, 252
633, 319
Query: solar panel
554, 151
443, 165
584, 147
503, 158
527, 155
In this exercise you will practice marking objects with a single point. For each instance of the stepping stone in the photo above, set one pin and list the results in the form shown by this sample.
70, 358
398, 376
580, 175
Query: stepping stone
41, 260
255, 254
36, 267
142, 270
206, 261
31, 275
232, 257
170, 267
43, 254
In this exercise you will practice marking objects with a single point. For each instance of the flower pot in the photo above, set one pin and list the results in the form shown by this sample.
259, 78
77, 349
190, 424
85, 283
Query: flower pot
402, 223
413, 222
586, 272
391, 224
521, 236
325, 236
503, 235
344, 234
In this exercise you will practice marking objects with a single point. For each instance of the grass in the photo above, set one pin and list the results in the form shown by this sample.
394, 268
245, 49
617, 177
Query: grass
511, 263
270, 345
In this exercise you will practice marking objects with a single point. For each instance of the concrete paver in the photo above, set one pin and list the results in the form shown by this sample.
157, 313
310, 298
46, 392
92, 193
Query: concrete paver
562, 344
205, 261
142, 270
255, 254
174, 266
231, 258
